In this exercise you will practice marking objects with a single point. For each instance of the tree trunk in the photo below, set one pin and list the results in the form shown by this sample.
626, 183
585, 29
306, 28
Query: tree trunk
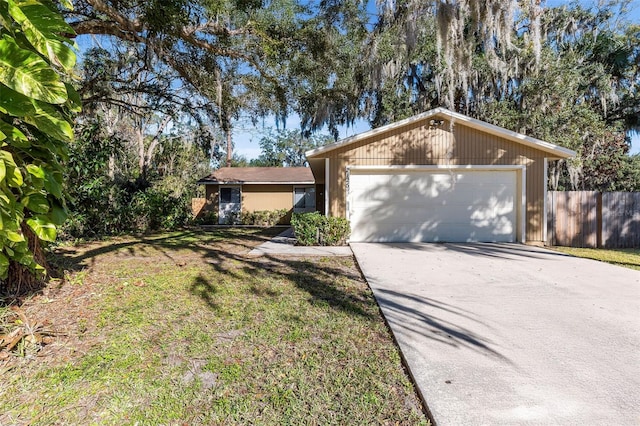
21, 280
229, 148
141, 153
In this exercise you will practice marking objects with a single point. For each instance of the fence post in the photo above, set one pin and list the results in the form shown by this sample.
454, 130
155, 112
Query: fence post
599, 219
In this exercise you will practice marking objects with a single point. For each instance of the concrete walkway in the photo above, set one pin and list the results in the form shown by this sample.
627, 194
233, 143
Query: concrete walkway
284, 245
506, 334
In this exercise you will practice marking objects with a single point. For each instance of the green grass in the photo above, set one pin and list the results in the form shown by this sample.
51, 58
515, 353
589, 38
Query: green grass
183, 328
629, 258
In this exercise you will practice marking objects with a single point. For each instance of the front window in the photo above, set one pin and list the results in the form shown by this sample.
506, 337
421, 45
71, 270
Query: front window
304, 199
229, 195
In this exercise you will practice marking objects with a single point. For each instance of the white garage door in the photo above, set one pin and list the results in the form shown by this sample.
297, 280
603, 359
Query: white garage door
433, 206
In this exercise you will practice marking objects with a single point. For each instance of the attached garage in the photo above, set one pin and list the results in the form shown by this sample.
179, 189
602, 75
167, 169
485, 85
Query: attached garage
435, 204
438, 177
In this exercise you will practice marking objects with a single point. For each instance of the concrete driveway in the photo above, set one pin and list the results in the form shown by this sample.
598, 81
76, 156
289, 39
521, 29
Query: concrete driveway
510, 334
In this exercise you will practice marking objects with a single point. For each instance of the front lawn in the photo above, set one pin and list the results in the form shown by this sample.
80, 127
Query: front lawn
629, 258
183, 328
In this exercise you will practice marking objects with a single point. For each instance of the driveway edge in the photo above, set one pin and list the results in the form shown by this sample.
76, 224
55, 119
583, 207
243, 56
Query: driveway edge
425, 406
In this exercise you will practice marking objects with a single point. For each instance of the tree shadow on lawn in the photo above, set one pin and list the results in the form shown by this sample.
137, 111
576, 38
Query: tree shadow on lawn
224, 250
197, 241
320, 282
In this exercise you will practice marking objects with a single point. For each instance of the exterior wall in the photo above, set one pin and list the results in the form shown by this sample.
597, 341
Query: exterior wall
211, 196
267, 197
422, 144
258, 197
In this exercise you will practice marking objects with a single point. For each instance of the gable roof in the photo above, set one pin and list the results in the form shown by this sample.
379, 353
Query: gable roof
556, 151
260, 175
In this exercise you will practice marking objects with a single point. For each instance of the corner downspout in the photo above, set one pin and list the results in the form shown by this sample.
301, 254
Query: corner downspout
327, 184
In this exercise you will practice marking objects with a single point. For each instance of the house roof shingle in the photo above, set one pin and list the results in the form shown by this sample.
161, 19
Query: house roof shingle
260, 175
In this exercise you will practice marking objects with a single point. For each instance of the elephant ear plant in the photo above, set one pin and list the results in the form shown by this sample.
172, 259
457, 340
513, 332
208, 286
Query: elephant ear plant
36, 107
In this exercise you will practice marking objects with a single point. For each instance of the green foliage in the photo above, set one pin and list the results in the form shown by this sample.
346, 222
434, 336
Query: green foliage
265, 218
108, 195
335, 232
35, 115
286, 149
209, 217
312, 229
116, 208
306, 227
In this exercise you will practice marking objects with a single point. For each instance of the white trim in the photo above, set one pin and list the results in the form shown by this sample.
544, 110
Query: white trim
306, 182
327, 184
523, 205
556, 150
483, 167
521, 215
544, 203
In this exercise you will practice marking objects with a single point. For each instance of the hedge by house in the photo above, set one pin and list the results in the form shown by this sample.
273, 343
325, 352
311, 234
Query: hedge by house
263, 217
314, 229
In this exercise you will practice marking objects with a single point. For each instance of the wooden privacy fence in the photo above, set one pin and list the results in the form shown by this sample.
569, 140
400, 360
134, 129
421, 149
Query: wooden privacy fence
593, 219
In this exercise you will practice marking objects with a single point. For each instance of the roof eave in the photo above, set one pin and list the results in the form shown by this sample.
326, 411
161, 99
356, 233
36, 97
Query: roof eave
246, 182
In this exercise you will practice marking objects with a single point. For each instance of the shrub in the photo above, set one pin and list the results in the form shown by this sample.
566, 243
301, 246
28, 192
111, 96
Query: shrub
314, 229
208, 217
263, 217
115, 209
306, 227
336, 231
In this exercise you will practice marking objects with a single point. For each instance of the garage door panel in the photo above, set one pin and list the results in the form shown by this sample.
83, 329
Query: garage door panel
433, 206
464, 214
428, 232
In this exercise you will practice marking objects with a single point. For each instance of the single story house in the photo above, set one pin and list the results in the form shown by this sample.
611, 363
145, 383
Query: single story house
435, 177
232, 190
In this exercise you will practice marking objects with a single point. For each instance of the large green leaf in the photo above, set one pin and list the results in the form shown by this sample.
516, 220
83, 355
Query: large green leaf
36, 171
14, 178
58, 215
67, 4
15, 136
3, 170
15, 103
53, 184
14, 237
4, 266
37, 203
50, 121
13, 175
43, 228
40, 26
42, 16
75, 102
5, 18
27, 73
43, 116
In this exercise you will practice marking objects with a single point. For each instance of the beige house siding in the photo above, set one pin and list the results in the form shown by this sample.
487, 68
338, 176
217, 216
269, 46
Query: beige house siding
267, 197
211, 196
259, 197
422, 144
